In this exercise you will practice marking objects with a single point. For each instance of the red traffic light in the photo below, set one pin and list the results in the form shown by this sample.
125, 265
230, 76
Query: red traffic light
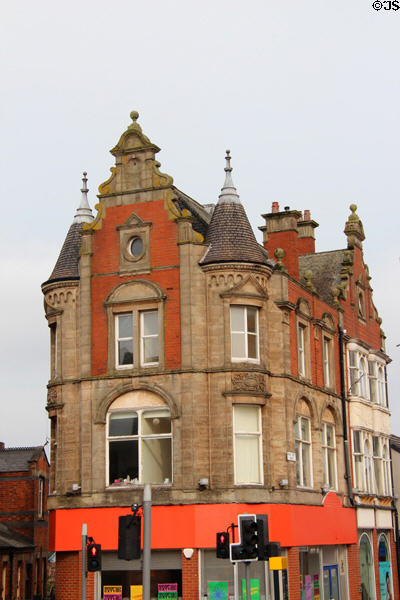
222, 544
93, 557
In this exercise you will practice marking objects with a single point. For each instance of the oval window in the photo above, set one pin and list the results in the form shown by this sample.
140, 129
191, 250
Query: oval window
136, 247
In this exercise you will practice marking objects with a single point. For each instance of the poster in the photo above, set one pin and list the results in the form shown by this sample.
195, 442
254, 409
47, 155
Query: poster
217, 590
308, 588
112, 592
254, 589
385, 581
136, 592
167, 591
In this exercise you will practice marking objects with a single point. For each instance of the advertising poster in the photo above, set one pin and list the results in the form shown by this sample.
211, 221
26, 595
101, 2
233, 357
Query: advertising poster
112, 592
218, 590
254, 589
136, 592
308, 588
385, 583
167, 591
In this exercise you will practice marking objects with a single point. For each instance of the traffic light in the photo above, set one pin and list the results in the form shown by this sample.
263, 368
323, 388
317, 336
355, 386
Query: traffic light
129, 528
93, 553
223, 544
262, 536
273, 549
248, 536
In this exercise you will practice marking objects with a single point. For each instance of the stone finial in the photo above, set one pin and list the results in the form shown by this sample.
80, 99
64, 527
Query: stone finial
134, 115
228, 191
308, 281
354, 229
336, 293
84, 212
279, 253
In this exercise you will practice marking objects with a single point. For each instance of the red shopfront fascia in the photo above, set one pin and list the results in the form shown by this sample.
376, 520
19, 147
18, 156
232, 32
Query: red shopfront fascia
195, 525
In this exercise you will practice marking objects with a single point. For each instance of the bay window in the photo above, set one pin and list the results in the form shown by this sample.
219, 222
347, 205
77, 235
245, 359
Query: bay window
244, 333
371, 463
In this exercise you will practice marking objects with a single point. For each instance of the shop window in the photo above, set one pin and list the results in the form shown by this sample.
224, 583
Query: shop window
247, 444
302, 434
139, 447
385, 568
244, 334
366, 568
329, 455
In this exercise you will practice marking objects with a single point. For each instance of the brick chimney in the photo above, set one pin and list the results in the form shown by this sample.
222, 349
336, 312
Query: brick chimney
2, 446
289, 230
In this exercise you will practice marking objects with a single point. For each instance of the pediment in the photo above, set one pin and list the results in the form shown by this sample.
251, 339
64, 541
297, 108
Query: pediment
133, 291
133, 221
249, 286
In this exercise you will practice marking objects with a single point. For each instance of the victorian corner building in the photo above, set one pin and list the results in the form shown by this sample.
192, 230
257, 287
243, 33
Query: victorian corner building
235, 377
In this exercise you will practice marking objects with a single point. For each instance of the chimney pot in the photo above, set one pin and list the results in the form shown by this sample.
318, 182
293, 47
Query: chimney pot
275, 207
307, 215
287, 208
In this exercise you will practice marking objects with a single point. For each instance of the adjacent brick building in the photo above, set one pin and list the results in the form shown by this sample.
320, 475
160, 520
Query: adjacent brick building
24, 475
232, 376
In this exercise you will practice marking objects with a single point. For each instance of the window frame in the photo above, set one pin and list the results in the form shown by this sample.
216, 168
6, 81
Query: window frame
301, 349
300, 445
245, 332
140, 436
329, 452
248, 434
375, 467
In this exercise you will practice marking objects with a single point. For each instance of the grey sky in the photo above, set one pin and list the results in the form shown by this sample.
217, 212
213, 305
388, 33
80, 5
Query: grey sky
306, 95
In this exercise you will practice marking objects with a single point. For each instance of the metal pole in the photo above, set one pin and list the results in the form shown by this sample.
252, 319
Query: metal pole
146, 541
83, 577
236, 580
248, 587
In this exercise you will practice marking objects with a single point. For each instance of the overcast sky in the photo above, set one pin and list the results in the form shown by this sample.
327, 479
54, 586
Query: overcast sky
306, 94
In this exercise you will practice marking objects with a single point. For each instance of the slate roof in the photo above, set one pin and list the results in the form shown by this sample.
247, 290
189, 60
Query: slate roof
231, 237
11, 539
67, 263
18, 459
200, 214
325, 267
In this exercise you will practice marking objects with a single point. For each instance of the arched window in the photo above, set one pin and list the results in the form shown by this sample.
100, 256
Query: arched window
367, 569
328, 442
385, 569
302, 434
139, 440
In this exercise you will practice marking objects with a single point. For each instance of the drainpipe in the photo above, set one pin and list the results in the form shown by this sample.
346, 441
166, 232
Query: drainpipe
395, 514
344, 417
10, 575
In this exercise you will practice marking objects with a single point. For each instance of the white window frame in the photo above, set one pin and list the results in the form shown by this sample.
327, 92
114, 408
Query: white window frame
137, 338
382, 386
120, 339
327, 359
329, 453
140, 437
373, 381
301, 349
143, 337
301, 445
245, 333
248, 434
378, 464
375, 467
387, 468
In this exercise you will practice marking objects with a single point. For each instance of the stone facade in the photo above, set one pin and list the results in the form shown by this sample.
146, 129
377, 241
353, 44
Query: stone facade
199, 381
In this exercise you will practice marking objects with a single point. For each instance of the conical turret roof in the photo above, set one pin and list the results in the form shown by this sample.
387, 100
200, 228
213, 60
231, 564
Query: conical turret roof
66, 266
229, 234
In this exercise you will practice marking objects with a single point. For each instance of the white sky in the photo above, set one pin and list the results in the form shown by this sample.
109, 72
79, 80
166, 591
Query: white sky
306, 94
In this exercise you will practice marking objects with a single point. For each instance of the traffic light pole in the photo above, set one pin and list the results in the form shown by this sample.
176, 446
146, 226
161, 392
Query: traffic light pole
146, 541
248, 587
83, 577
